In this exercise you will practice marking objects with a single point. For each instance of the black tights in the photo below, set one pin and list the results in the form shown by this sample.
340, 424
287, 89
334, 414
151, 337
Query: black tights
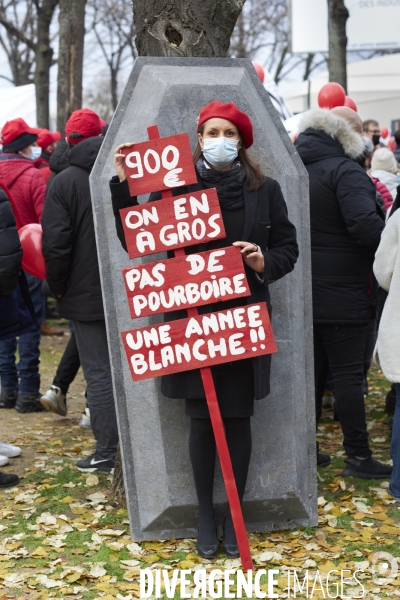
202, 453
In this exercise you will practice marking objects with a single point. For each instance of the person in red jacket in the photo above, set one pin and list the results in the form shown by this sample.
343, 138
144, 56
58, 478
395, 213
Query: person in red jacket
19, 170
47, 141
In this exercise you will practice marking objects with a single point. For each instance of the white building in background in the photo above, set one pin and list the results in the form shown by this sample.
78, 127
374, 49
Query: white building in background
373, 84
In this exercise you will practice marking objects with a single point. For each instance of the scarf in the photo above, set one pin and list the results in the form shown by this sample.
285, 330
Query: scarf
229, 184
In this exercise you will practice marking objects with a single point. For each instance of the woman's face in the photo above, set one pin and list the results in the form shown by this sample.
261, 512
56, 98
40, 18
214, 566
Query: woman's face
28, 150
217, 127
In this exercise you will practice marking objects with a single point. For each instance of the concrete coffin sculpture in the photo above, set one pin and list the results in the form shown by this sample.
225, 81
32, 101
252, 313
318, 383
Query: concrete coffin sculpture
281, 488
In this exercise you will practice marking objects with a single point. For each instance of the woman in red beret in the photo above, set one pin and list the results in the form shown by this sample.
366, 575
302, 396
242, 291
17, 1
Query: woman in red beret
256, 220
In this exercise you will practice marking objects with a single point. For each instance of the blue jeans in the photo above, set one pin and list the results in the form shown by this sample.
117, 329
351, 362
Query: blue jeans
27, 370
394, 487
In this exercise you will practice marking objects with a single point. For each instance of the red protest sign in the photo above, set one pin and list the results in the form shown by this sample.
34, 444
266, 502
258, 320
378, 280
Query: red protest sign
159, 164
172, 223
186, 281
200, 341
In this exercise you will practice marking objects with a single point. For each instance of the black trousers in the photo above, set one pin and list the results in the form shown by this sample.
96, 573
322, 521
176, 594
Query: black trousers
202, 452
342, 348
68, 366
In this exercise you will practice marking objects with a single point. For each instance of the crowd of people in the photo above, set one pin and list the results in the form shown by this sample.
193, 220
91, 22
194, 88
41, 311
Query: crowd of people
355, 250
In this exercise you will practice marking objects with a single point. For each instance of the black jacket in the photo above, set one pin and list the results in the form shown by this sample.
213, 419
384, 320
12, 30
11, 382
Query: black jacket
346, 226
10, 247
58, 160
17, 315
266, 224
69, 245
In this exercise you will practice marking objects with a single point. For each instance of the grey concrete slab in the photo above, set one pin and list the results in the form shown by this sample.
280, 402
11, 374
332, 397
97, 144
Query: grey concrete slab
281, 489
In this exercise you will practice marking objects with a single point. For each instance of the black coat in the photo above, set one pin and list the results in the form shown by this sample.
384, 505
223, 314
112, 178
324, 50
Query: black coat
266, 224
58, 160
346, 226
17, 315
10, 247
69, 244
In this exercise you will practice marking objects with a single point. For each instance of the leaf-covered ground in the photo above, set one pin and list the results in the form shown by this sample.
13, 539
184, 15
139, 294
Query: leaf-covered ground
62, 536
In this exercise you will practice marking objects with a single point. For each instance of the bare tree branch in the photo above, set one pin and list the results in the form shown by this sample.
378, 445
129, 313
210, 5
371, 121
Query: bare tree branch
112, 25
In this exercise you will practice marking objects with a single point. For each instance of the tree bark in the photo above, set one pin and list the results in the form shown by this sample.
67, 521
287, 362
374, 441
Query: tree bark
337, 17
43, 56
185, 27
118, 489
70, 59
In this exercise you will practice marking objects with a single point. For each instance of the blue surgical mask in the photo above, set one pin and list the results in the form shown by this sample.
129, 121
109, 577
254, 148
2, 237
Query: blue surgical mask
220, 151
36, 152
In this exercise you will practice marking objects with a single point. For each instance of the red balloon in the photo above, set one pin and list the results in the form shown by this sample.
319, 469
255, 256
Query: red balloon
259, 70
392, 143
384, 132
331, 95
350, 103
31, 242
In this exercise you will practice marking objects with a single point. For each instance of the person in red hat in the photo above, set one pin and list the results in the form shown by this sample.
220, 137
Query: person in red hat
256, 220
19, 170
47, 141
72, 273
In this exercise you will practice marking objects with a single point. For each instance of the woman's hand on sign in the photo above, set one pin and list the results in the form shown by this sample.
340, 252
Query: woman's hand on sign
252, 255
119, 160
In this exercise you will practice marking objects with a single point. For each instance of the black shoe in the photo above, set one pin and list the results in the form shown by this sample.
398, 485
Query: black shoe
28, 403
96, 463
390, 403
8, 398
229, 543
8, 480
366, 469
323, 460
207, 540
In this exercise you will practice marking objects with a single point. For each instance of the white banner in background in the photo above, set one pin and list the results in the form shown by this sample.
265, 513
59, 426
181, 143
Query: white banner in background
18, 102
372, 25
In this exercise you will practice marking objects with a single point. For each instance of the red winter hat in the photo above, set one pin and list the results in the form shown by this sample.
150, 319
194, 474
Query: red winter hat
228, 111
83, 121
15, 128
47, 137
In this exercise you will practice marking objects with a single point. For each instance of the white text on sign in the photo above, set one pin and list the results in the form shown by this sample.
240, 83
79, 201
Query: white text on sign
186, 281
201, 341
159, 164
172, 223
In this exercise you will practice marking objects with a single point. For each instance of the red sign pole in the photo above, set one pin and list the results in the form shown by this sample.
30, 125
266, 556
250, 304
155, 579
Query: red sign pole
219, 431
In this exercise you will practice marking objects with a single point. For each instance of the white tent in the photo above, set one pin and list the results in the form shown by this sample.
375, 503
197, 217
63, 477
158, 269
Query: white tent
373, 84
18, 102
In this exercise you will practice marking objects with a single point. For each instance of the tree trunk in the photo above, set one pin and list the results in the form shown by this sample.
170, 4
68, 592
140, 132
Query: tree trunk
118, 489
70, 59
114, 86
337, 17
43, 56
185, 27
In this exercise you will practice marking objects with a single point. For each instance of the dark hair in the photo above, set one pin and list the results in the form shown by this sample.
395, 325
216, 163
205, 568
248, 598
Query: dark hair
253, 175
75, 135
369, 122
397, 136
360, 160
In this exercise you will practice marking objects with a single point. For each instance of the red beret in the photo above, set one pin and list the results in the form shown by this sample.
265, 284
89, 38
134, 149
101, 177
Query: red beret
47, 137
229, 111
15, 128
83, 121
